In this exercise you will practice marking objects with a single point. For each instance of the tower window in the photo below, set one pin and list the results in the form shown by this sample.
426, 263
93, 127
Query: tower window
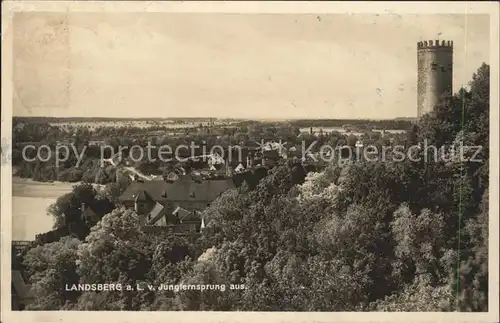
433, 66
442, 68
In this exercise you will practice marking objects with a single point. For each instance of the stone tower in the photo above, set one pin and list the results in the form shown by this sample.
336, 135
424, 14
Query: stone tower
435, 73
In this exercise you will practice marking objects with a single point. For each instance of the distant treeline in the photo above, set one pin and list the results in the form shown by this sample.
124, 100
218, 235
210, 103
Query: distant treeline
104, 119
395, 124
399, 124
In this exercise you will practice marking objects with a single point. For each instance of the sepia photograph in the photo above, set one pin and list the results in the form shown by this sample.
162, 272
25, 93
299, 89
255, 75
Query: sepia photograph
229, 157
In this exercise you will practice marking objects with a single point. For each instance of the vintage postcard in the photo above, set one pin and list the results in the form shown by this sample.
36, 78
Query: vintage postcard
249, 161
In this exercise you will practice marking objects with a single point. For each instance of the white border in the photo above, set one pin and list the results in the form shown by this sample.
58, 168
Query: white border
8, 8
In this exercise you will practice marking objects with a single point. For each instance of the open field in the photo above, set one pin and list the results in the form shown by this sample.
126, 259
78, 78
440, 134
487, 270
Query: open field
316, 130
138, 123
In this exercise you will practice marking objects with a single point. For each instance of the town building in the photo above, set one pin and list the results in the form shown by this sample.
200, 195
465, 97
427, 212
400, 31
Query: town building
88, 214
173, 205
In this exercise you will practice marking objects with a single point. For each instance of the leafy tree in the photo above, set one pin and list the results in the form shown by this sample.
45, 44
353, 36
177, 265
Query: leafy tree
473, 270
51, 268
113, 253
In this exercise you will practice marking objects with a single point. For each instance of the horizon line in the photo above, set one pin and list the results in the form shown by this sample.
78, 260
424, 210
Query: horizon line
212, 118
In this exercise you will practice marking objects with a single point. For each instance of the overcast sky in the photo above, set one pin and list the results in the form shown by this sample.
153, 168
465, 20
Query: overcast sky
222, 65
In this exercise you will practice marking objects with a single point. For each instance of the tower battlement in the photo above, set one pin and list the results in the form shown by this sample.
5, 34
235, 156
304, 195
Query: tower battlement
435, 44
435, 73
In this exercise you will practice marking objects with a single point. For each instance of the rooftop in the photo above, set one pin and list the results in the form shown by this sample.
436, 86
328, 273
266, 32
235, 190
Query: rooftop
182, 189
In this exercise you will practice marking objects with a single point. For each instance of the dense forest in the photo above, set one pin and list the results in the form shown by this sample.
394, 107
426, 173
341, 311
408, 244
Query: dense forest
364, 236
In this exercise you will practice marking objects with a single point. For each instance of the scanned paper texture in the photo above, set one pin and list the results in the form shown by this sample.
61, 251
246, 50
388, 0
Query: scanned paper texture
223, 160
